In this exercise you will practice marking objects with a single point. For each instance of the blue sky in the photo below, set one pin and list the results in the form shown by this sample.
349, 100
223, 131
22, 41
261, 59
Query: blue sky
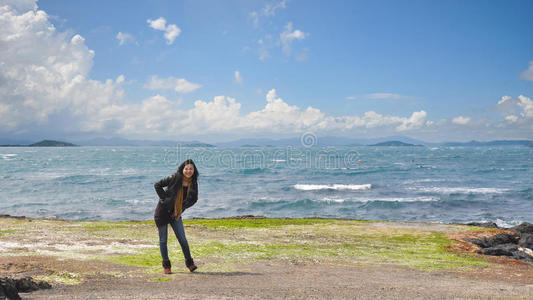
434, 70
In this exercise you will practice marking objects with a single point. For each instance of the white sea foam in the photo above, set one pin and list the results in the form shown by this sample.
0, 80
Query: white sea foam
503, 224
328, 199
9, 156
408, 199
460, 190
41, 175
395, 199
312, 187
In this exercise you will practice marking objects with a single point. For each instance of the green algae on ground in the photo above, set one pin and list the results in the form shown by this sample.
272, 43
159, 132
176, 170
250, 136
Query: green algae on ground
222, 243
333, 241
102, 225
144, 259
261, 222
160, 279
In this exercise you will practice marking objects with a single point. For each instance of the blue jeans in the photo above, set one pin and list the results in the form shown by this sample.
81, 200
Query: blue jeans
179, 231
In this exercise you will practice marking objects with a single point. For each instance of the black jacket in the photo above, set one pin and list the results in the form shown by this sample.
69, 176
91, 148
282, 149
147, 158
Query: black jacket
167, 198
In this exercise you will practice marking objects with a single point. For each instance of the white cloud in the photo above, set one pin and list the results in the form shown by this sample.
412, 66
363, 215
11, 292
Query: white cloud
120, 79
45, 72
373, 120
45, 80
417, 120
505, 99
519, 111
171, 33
255, 18
180, 85
278, 115
527, 106
511, 118
528, 74
461, 120
171, 30
271, 8
289, 35
19, 6
124, 38
158, 24
238, 77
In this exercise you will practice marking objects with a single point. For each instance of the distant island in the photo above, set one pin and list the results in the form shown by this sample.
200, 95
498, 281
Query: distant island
491, 143
44, 143
51, 143
197, 145
395, 144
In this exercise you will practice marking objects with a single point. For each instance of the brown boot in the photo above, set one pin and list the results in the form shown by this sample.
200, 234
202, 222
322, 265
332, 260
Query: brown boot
190, 265
166, 267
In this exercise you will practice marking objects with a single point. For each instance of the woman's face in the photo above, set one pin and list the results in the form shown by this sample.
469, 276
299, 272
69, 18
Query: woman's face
188, 171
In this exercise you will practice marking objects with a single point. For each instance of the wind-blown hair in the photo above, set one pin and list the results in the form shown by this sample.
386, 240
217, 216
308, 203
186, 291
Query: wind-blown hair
187, 162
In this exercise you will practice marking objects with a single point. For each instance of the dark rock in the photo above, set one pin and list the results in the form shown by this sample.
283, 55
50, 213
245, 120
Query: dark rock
521, 255
501, 250
526, 241
15, 217
523, 228
483, 224
499, 239
9, 288
26, 285
246, 217
43, 285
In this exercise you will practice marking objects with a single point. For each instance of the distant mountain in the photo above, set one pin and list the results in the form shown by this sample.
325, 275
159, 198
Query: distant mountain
14, 142
395, 144
50, 143
197, 144
317, 141
489, 143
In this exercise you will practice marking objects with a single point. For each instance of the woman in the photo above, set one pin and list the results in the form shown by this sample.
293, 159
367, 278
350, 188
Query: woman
181, 193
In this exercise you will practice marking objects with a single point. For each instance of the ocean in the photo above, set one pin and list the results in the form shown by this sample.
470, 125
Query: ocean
434, 184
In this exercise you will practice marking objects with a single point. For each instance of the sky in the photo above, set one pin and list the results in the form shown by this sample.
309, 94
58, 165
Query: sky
217, 71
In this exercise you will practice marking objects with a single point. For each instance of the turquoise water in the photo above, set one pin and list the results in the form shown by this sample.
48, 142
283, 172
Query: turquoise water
443, 184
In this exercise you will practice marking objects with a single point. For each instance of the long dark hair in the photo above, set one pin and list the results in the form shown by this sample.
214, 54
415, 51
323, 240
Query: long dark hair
187, 162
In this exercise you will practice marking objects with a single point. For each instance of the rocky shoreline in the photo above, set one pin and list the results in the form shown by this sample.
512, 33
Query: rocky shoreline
516, 243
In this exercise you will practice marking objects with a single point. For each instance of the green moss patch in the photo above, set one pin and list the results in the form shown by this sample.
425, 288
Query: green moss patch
160, 279
102, 226
222, 244
261, 223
